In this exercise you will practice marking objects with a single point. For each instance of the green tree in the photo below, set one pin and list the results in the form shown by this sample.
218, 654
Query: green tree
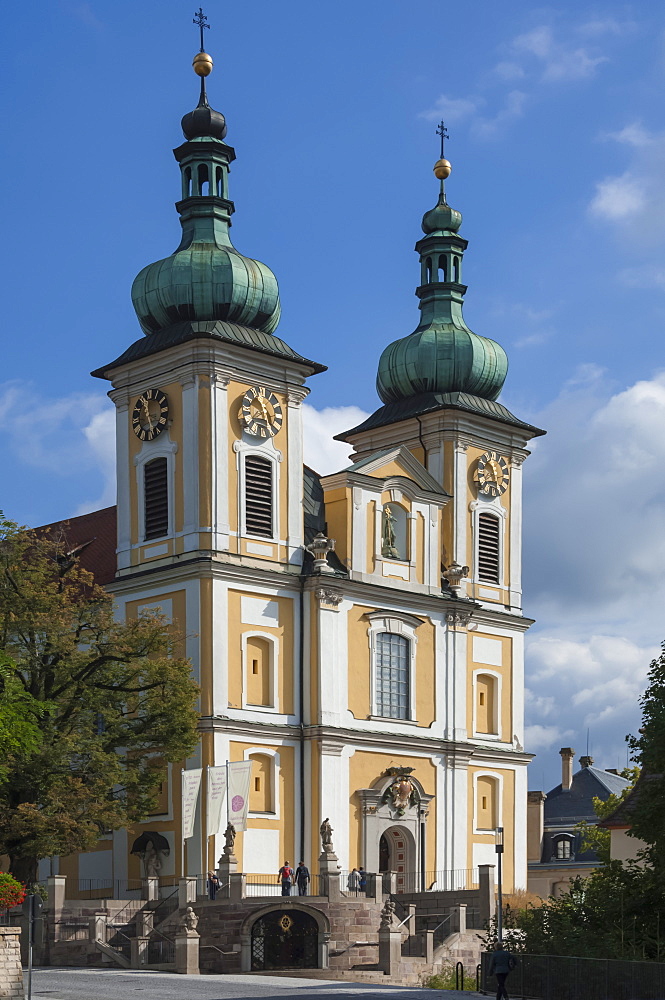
648, 813
596, 838
111, 703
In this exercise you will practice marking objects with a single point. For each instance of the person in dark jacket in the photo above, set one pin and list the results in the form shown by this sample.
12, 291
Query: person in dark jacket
362, 883
213, 885
501, 964
302, 878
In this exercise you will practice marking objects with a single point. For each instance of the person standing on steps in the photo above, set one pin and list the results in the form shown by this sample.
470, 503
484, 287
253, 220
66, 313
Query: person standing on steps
213, 885
285, 875
302, 878
502, 964
362, 879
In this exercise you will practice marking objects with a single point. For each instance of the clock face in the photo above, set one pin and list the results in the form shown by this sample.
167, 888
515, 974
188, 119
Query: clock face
150, 415
260, 412
492, 474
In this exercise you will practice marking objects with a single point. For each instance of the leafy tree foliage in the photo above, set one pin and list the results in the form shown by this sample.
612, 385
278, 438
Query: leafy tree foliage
648, 815
107, 704
596, 838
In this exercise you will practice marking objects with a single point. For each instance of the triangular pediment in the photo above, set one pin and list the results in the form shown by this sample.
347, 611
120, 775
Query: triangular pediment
398, 461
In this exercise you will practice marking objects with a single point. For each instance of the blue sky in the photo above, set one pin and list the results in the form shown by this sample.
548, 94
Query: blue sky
558, 148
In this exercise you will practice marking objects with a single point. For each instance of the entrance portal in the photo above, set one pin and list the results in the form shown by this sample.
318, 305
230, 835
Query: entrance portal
285, 940
397, 854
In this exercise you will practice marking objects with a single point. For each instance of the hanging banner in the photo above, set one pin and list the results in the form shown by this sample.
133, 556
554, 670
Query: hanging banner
240, 773
216, 797
191, 782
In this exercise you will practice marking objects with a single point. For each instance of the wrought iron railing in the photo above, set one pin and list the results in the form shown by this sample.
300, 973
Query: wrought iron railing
271, 885
554, 977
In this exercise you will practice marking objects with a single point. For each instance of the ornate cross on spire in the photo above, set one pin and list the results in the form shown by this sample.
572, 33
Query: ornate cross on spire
440, 130
200, 19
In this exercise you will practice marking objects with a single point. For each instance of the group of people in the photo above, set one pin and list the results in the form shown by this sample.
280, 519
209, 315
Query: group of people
289, 877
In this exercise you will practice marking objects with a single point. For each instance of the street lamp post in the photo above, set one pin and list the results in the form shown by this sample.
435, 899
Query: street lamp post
498, 847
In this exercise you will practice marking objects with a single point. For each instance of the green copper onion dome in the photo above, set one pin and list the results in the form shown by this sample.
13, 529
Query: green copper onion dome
442, 354
206, 279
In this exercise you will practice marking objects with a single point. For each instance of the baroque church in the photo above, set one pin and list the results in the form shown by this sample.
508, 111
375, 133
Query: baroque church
357, 636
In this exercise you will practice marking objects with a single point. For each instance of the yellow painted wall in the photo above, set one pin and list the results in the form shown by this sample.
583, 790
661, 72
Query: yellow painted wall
473, 454
507, 818
284, 635
505, 671
360, 667
338, 518
286, 793
365, 768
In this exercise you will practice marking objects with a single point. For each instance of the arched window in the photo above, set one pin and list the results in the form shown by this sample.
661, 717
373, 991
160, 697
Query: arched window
258, 671
220, 183
392, 676
428, 267
456, 269
563, 848
489, 535
261, 797
486, 704
156, 498
486, 803
394, 541
187, 182
443, 268
204, 179
258, 496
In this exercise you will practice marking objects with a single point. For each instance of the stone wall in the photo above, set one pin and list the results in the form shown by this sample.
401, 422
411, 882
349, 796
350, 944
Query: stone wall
11, 974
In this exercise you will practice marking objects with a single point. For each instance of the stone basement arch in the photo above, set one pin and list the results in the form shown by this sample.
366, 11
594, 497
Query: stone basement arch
285, 906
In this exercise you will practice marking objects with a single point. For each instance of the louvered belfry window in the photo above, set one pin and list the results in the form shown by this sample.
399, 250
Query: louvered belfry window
258, 496
156, 498
488, 548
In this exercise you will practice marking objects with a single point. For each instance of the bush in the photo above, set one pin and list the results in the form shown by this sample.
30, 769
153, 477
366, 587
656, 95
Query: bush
12, 893
445, 980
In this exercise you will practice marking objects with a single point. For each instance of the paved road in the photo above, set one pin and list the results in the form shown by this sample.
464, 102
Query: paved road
116, 984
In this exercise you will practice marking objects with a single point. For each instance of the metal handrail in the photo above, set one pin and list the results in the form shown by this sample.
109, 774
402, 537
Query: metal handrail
406, 919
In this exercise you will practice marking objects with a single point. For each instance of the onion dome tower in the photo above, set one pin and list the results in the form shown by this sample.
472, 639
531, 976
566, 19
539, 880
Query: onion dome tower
206, 279
442, 355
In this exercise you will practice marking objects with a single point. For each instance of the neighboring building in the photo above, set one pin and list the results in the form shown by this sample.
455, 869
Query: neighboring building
363, 686
623, 847
554, 845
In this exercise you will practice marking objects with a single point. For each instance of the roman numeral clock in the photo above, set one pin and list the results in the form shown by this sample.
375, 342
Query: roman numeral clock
260, 412
150, 414
492, 475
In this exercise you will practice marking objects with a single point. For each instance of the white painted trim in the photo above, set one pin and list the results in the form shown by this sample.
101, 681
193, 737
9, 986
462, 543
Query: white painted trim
268, 451
123, 498
498, 695
519, 827
498, 777
517, 676
494, 507
396, 626
273, 644
190, 462
219, 422
460, 491
515, 582
295, 484
333, 658
161, 447
274, 778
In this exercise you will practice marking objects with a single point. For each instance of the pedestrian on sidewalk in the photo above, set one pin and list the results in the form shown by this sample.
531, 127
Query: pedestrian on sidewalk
302, 878
285, 875
502, 964
213, 885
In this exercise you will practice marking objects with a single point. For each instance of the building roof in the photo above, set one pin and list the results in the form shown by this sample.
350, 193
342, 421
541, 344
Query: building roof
576, 804
96, 536
427, 402
622, 817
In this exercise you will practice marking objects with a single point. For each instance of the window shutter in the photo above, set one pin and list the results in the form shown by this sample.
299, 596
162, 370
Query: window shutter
258, 496
488, 548
156, 498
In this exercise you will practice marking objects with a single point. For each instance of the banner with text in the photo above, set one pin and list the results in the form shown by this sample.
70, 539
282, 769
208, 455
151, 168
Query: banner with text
191, 782
216, 797
240, 773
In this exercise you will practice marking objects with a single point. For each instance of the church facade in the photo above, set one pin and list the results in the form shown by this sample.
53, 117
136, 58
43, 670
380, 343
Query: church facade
358, 636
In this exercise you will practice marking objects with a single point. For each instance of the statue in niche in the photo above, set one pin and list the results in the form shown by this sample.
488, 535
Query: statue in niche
152, 861
326, 836
388, 535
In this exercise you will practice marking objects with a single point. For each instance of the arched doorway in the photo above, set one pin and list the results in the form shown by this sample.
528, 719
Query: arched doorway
397, 853
285, 940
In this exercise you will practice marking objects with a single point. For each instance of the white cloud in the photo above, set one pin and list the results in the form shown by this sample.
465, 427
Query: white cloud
319, 427
618, 198
560, 61
594, 548
452, 109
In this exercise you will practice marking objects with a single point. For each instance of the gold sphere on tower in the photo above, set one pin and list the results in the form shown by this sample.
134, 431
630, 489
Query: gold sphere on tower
442, 169
202, 64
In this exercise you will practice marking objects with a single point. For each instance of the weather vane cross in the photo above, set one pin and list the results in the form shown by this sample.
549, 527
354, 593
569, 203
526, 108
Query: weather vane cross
443, 132
200, 19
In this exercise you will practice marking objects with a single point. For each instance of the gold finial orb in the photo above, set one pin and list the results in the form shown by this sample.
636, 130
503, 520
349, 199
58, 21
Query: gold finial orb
202, 64
442, 169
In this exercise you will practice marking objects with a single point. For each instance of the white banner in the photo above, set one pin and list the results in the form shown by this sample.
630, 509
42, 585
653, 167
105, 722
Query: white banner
191, 782
240, 773
216, 797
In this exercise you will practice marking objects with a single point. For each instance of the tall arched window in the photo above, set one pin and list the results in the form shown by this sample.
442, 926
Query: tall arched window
261, 798
443, 268
392, 676
489, 535
487, 811
156, 498
258, 496
486, 704
258, 670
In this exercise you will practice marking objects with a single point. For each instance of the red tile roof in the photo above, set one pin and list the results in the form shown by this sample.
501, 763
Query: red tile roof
96, 531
